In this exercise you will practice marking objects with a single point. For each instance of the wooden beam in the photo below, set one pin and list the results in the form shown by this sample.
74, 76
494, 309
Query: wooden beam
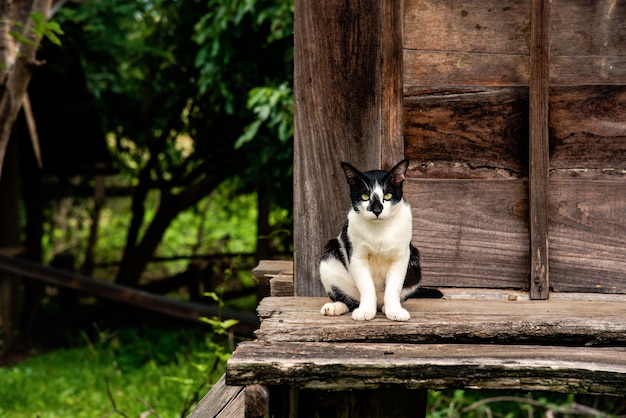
392, 126
123, 294
539, 147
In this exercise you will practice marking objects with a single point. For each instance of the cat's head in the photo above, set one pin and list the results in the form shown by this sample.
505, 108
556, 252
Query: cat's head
375, 193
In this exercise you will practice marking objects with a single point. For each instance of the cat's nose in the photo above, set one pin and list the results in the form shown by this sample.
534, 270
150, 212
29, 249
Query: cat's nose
376, 207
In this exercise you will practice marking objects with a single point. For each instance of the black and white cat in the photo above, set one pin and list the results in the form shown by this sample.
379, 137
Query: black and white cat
372, 264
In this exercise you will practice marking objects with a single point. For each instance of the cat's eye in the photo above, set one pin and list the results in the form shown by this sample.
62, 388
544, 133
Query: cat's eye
387, 196
365, 197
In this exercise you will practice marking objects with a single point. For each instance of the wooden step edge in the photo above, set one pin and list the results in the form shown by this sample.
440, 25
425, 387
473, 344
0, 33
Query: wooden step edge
340, 366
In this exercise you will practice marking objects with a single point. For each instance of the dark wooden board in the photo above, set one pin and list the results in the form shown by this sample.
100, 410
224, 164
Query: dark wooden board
538, 147
466, 43
588, 370
478, 132
471, 233
487, 43
588, 127
587, 231
486, 26
588, 28
560, 321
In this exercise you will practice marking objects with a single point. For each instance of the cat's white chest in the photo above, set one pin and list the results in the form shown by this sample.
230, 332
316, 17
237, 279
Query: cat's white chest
380, 247
381, 237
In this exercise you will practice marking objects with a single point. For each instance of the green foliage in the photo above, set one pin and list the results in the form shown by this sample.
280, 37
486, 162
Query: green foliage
41, 28
134, 371
45, 29
191, 93
488, 404
273, 108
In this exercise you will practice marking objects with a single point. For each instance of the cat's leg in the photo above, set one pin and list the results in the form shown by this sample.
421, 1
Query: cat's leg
362, 275
392, 307
339, 286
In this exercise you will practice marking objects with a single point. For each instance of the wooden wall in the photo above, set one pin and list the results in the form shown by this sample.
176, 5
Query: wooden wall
467, 86
513, 114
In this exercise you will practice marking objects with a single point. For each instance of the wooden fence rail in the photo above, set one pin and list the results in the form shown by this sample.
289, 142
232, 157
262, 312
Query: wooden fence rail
111, 291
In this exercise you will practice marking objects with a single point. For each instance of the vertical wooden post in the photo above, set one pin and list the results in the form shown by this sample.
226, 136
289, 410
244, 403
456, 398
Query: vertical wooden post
392, 116
337, 92
539, 148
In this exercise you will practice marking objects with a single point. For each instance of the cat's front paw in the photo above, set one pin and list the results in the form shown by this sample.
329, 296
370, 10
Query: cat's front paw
398, 314
361, 314
334, 309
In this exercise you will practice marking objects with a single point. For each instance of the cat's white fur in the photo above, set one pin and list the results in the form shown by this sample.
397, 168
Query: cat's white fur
378, 265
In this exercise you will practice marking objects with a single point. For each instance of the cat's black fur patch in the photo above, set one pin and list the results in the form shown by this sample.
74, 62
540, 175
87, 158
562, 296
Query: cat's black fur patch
333, 248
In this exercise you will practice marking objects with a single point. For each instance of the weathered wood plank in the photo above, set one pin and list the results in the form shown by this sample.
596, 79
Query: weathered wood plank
587, 70
503, 320
471, 233
281, 285
588, 127
589, 370
538, 148
392, 135
588, 28
482, 130
587, 45
267, 268
485, 26
462, 69
222, 401
337, 99
587, 230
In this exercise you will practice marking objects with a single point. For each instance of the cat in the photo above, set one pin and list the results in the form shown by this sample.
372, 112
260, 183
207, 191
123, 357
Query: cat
372, 264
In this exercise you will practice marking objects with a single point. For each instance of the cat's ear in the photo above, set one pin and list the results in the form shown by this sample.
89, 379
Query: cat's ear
398, 173
353, 176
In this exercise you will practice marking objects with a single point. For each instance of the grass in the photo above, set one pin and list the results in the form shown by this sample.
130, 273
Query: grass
131, 372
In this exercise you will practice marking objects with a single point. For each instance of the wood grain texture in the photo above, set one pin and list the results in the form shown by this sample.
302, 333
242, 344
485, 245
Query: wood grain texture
337, 93
462, 69
466, 43
505, 320
469, 26
471, 233
539, 148
484, 130
587, 45
588, 370
222, 401
588, 127
392, 135
588, 28
587, 70
587, 230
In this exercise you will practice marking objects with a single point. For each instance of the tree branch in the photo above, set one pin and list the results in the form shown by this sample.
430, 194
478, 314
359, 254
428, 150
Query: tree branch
19, 76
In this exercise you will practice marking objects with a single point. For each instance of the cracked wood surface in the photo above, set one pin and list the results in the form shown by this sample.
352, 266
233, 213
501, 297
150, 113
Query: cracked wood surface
473, 338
